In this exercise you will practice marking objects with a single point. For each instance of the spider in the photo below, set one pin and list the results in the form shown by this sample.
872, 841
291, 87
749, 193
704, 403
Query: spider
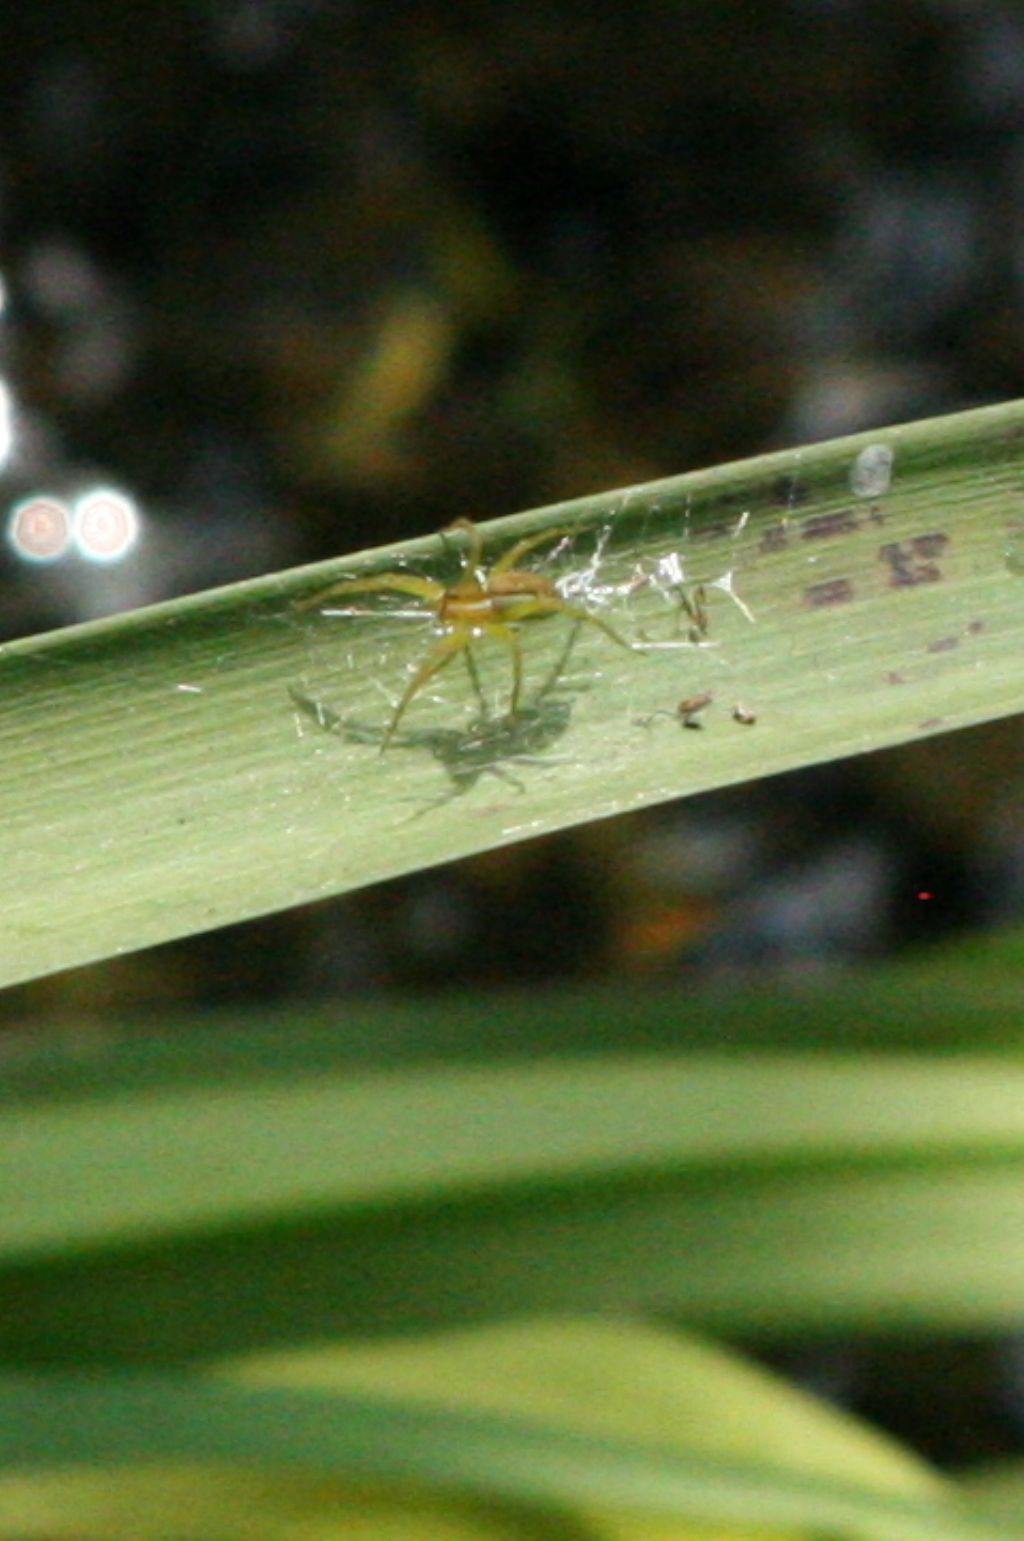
482, 602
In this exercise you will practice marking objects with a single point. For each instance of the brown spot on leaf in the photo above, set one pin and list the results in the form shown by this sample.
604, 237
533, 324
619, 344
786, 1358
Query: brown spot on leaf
843, 521
834, 591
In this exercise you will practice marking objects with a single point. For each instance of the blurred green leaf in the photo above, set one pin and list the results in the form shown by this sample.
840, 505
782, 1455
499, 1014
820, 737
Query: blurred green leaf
215, 758
634, 1433
997, 1491
149, 1502
747, 1192
966, 995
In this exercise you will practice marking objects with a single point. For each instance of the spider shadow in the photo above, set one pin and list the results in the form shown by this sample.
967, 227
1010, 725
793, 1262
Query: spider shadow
487, 745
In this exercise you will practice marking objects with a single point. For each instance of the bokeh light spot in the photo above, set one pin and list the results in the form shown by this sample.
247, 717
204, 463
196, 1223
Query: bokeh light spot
39, 529
106, 525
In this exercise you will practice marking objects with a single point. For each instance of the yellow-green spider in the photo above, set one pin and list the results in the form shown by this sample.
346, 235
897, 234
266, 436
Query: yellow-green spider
483, 601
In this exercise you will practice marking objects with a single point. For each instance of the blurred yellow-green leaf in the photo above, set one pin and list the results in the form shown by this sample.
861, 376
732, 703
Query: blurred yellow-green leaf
630, 1433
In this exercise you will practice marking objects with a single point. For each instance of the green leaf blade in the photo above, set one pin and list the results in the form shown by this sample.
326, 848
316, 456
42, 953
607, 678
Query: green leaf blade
216, 758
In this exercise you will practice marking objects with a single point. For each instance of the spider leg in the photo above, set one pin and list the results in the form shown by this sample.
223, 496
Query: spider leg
547, 605
474, 680
448, 648
510, 637
561, 662
475, 554
394, 583
515, 554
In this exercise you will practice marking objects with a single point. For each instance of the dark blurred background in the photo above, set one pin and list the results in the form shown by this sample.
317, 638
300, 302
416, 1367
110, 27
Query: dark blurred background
284, 278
